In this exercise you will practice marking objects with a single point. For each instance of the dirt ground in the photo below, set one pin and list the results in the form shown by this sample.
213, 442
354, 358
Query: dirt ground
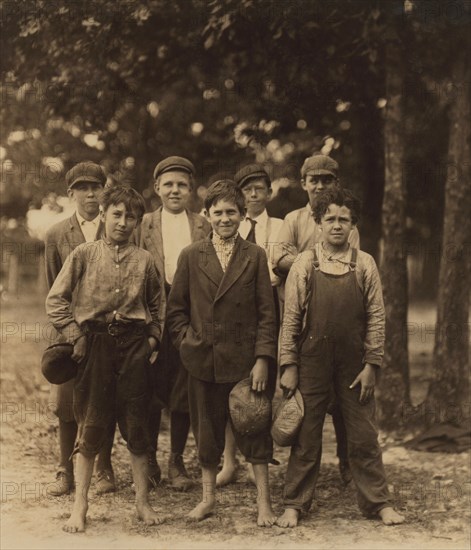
433, 490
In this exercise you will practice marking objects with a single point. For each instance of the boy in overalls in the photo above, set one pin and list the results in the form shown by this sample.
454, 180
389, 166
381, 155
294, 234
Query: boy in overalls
333, 336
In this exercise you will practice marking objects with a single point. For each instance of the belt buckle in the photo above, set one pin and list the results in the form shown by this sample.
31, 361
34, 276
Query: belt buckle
113, 329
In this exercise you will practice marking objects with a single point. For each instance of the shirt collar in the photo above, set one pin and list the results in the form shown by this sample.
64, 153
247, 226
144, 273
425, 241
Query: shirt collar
220, 242
171, 216
82, 220
260, 219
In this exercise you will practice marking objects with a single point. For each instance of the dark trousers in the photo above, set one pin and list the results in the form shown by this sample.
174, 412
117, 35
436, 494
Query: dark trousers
113, 383
209, 413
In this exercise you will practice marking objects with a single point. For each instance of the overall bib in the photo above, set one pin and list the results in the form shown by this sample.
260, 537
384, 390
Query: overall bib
331, 355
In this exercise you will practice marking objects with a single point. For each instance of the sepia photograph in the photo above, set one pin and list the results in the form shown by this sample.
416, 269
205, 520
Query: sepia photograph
235, 274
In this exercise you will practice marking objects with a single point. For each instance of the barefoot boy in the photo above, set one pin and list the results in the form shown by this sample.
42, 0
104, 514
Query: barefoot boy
333, 334
105, 301
221, 317
259, 228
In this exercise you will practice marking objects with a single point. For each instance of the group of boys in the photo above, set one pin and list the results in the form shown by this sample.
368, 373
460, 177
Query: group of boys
206, 293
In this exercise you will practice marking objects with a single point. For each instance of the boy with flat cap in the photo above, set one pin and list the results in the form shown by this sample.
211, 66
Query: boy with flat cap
299, 233
221, 318
164, 233
105, 301
259, 228
85, 182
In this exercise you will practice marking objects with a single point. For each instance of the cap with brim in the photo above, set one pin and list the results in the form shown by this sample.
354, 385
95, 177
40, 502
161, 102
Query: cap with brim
287, 420
250, 411
85, 172
174, 163
249, 172
319, 165
57, 364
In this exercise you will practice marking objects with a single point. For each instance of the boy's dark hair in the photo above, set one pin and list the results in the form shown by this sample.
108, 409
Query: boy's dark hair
225, 190
117, 194
340, 197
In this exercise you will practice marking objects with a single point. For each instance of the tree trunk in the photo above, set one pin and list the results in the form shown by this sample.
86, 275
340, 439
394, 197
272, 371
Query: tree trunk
394, 383
448, 395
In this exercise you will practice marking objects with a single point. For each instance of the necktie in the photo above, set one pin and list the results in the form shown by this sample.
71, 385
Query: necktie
251, 235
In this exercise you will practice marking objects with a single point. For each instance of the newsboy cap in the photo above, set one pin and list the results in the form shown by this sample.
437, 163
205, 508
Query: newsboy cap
287, 420
174, 163
319, 165
85, 171
250, 411
249, 172
57, 364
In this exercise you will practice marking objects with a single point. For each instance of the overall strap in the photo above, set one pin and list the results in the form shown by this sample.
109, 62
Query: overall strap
353, 260
315, 259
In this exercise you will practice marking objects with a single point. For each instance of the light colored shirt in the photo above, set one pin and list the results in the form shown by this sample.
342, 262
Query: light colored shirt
298, 233
176, 235
266, 236
224, 248
97, 281
89, 228
297, 296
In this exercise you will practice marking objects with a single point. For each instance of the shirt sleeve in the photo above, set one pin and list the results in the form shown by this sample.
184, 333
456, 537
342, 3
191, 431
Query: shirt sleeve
294, 313
59, 299
375, 314
285, 252
153, 293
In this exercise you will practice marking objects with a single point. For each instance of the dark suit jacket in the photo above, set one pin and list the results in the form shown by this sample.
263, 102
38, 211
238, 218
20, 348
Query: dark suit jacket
221, 322
149, 237
60, 240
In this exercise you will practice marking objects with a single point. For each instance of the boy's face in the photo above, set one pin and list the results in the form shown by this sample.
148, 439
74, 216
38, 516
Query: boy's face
119, 223
225, 217
336, 225
315, 184
257, 194
86, 195
174, 188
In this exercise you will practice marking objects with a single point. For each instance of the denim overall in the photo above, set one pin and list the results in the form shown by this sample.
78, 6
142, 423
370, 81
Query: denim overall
331, 356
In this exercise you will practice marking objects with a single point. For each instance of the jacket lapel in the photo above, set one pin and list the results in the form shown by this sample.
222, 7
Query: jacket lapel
237, 264
154, 243
74, 234
196, 226
209, 262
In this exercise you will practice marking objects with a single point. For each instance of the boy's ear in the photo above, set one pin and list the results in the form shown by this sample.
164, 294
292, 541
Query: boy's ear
102, 214
205, 213
303, 184
70, 193
157, 187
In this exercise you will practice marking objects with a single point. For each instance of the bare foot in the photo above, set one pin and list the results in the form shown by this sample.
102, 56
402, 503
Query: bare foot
76, 522
148, 515
289, 518
250, 474
390, 516
266, 516
226, 475
202, 510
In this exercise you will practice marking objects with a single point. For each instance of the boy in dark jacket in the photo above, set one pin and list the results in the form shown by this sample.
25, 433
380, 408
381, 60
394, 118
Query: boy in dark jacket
221, 317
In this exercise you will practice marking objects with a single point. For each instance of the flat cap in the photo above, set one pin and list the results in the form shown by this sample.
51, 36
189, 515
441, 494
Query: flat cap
287, 420
57, 364
251, 171
174, 163
250, 411
85, 171
318, 165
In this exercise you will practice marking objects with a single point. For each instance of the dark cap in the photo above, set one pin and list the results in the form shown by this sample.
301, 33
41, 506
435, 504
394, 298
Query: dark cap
174, 163
85, 171
250, 411
318, 165
57, 364
249, 172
